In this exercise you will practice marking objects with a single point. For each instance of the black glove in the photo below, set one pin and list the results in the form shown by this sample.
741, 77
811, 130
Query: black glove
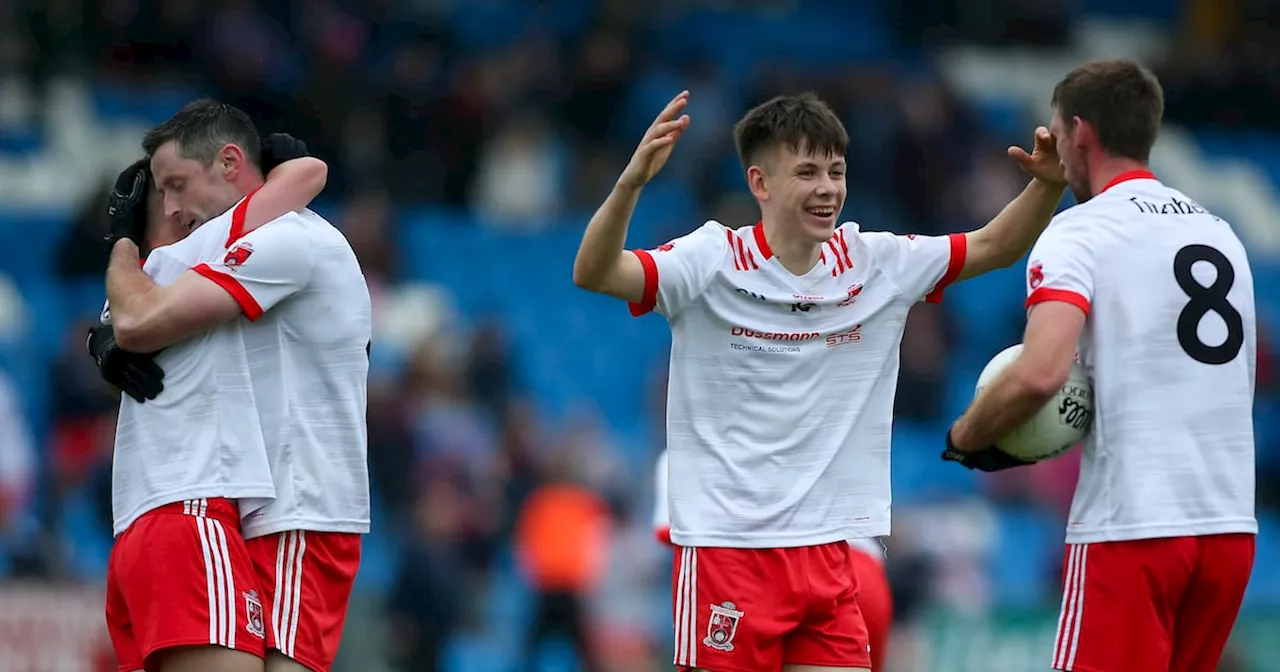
127, 204
987, 459
135, 374
280, 147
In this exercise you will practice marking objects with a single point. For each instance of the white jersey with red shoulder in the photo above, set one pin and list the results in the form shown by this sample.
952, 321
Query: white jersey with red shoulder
1170, 343
201, 437
780, 395
301, 288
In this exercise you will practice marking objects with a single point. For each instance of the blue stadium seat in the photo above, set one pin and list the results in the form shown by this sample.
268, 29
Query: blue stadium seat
1026, 553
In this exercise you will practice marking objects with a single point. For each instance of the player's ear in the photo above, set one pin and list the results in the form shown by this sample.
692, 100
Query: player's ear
757, 184
231, 160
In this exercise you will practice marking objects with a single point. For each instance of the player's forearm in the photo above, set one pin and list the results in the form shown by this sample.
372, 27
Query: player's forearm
130, 292
1010, 400
1010, 234
603, 242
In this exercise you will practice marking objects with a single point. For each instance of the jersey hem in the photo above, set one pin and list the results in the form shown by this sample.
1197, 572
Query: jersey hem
277, 526
122, 523
1165, 530
770, 540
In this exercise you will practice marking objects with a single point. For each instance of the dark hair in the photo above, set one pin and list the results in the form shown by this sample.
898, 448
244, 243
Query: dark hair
1121, 99
791, 121
202, 128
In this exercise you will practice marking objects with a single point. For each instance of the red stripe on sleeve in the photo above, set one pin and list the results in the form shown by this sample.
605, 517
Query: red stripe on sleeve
1046, 294
664, 535
959, 248
248, 305
650, 298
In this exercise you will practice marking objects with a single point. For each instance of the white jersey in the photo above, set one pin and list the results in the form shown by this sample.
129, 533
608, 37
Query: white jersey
1170, 343
309, 325
780, 394
201, 437
662, 517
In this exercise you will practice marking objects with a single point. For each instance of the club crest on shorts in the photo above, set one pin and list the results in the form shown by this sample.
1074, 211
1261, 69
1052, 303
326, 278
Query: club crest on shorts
722, 626
253, 608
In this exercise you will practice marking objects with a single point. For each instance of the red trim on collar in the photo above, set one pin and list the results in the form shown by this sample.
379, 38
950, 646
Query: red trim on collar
1129, 175
761, 242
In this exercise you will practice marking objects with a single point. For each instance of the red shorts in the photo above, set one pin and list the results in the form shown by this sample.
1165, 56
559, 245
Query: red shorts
1149, 605
180, 576
306, 579
875, 602
746, 610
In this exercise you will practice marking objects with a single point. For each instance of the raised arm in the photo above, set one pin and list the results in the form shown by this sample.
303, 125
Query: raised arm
603, 265
1008, 236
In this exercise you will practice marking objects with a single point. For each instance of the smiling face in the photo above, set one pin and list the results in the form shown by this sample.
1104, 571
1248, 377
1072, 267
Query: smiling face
801, 189
193, 193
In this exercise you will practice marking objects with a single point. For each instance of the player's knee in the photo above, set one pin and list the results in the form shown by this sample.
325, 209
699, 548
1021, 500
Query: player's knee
278, 662
206, 659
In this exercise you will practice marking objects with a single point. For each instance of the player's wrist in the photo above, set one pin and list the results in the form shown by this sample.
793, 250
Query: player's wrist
125, 244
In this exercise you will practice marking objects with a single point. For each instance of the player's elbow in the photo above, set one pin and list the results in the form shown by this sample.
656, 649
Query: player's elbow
588, 276
130, 333
1042, 380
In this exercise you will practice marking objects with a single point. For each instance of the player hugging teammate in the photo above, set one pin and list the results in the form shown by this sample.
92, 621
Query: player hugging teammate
239, 479
780, 455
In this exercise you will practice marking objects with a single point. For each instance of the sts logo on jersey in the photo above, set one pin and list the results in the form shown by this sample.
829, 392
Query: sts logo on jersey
722, 626
237, 255
1035, 275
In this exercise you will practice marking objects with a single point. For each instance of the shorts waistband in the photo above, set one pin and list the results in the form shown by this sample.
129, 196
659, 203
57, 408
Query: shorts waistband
221, 509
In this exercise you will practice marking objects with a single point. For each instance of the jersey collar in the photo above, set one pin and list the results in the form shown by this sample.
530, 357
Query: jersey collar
761, 243
1129, 175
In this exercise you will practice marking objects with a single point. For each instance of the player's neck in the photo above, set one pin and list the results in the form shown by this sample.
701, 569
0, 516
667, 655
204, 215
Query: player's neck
796, 253
1107, 169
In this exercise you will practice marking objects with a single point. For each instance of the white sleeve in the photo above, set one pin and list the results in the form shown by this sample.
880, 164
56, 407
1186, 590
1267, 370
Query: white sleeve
661, 515
266, 266
1061, 265
676, 273
921, 266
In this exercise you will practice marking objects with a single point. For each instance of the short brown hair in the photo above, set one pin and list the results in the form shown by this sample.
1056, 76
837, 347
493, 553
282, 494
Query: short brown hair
203, 127
791, 121
1121, 99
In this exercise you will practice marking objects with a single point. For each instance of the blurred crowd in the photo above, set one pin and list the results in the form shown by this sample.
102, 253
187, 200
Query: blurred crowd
522, 126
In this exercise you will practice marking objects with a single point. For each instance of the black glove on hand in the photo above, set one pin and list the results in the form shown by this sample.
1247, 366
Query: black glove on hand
136, 375
280, 147
127, 204
987, 459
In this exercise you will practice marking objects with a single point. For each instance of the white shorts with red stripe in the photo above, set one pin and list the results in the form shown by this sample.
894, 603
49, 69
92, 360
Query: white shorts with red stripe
180, 575
307, 579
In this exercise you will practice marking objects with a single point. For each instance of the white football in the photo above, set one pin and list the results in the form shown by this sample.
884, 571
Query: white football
1054, 429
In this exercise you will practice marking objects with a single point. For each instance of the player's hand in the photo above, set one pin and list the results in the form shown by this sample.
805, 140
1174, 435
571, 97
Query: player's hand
656, 145
987, 459
1043, 163
280, 147
127, 203
135, 374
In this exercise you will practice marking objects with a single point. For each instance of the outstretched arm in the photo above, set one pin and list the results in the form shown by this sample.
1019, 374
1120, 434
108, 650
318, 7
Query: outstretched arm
602, 264
1003, 241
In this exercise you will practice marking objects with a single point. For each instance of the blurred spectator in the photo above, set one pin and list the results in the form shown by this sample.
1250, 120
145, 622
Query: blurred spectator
427, 601
562, 537
520, 180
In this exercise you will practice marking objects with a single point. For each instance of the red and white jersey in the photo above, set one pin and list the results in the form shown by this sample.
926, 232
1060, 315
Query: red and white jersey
200, 439
1170, 343
309, 325
780, 393
662, 517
